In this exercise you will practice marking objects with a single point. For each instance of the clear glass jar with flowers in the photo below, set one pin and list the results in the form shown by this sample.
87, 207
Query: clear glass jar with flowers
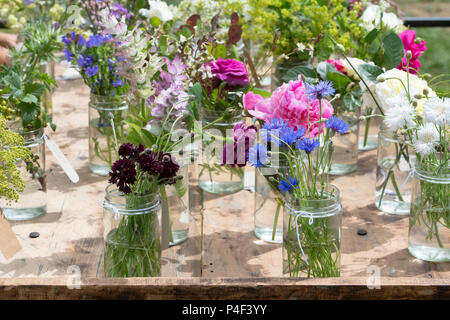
312, 208
98, 61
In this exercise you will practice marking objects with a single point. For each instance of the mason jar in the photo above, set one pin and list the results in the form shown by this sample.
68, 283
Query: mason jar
132, 234
33, 200
218, 131
345, 146
103, 112
312, 235
429, 221
395, 158
368, 129
47, 95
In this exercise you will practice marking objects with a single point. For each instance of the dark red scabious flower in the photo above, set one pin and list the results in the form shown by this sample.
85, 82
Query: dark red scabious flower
170, 168
236, 154
123, 173
128, 150
149, 162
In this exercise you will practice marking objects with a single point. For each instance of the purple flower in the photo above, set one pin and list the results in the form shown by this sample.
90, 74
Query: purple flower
170, 169
237, 153
118, 82
289, 184
231, 71
68, 54
308, 145
149, 162
96, 40
123, 173
92, 71
337, 125
85, 61
66, 40
321, 90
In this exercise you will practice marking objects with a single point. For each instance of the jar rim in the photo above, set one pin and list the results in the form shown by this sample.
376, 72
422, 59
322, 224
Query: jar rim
333, 207
431, 176
151, 205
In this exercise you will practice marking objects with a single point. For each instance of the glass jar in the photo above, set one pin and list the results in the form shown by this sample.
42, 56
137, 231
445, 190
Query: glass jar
213, 176
46, 98
312, 236
368, 131
132, 234
269, 203
345, 146
103, 111
176, 197
395, 159
33, 200
429, 221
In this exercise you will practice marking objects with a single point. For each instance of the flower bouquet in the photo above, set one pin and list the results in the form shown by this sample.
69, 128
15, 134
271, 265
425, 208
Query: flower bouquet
132, 211
301, 140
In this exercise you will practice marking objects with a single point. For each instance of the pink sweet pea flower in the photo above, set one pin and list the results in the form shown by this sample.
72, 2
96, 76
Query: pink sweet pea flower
408, 38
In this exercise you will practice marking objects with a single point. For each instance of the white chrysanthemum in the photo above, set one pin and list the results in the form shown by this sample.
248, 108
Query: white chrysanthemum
427, 139
157, 9
395, 87
371, 19
437, 111
401, 115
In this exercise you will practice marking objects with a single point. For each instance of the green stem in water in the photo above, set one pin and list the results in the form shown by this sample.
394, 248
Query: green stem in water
275, 222
397, 191
366, 132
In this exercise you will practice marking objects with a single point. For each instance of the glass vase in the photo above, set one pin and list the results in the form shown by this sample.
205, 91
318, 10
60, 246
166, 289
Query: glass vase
176, 197
103, 113
269, 203
33, 200
47, 95
345, 147
312, 236
368, 130
395, 158
132, 234
429, 221
213, 176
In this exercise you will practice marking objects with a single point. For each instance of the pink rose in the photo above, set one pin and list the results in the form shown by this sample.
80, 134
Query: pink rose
231, 71
290, 103
408, 38
337, 64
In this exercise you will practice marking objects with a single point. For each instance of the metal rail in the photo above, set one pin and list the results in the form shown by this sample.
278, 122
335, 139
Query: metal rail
424, 22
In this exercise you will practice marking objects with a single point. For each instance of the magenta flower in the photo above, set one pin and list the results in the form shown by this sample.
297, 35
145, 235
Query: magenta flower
290, 102
409, 42
337, 64
237, 153
231, 71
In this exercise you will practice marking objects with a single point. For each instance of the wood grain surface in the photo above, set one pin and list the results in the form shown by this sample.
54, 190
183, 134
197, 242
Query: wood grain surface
235, 264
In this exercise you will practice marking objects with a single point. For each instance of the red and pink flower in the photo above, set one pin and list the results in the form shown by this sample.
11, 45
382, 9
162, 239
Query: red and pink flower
417, 48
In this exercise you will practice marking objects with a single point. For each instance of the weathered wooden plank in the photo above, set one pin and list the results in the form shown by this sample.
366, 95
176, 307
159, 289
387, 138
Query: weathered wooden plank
239, 288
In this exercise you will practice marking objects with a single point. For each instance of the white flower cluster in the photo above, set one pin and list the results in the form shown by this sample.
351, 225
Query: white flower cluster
414, 108
157, 9
373, 14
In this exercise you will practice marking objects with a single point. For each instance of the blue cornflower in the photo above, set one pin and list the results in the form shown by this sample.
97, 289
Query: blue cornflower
85, 61
66, 40
286, 185
111, 64
274, 127
289, 136
320, 90
81, 41
308, 145
92, 71
94, 41
68, 54
118, 82
257, 155
338, 125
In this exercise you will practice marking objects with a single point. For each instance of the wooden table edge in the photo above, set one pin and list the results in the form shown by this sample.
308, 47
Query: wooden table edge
223, 288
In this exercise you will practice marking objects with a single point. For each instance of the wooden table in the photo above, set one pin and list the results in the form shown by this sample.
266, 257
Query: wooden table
235, 264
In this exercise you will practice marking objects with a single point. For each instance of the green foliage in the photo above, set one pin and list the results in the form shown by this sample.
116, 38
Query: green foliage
11, 151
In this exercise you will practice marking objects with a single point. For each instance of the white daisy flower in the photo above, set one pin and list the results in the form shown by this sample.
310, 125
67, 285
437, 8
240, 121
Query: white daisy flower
437, 111
400, 115
427, 139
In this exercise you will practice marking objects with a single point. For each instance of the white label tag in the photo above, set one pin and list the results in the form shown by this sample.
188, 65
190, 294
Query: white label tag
62, 160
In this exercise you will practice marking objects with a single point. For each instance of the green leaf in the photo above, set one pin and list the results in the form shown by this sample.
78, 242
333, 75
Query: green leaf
351, 103
163, 44
13, 80
340, 80
393, 50
35, 89
29, 98
369, 71
220, 52
292, 74
374, 47
180, 187
261, 92
323, 68
155, 21
194, 106
371, 36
